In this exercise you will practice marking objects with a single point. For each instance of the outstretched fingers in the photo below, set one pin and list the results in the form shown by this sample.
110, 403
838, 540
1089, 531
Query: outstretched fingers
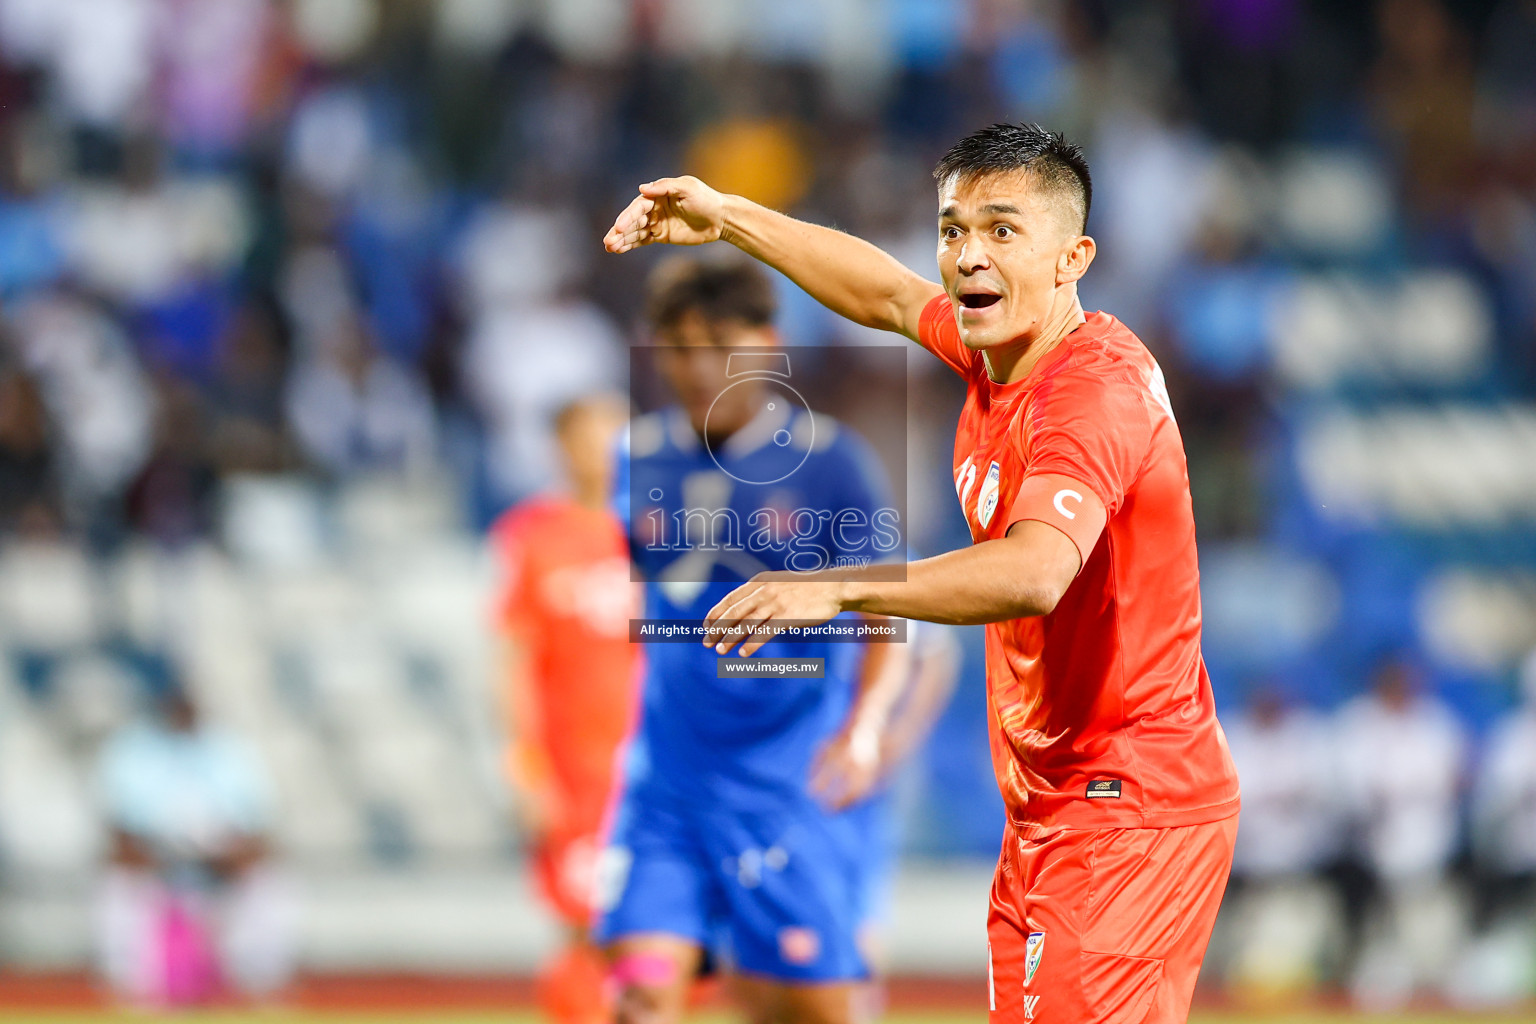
726, 624
721, 625
632, 227
759, 636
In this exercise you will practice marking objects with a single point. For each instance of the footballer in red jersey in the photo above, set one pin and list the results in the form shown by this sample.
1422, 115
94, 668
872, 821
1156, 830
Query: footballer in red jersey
1121, 796
571, 685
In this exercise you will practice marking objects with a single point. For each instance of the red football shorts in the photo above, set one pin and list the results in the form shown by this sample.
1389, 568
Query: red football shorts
1104, 926
566, 865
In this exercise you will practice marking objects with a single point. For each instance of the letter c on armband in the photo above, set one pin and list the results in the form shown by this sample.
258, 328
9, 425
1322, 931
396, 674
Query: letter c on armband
1061, 496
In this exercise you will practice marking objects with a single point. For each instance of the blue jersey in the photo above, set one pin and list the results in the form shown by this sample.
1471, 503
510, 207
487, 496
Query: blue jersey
703, 519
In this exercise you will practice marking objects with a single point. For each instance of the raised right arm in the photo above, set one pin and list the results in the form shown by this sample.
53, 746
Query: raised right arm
846, 274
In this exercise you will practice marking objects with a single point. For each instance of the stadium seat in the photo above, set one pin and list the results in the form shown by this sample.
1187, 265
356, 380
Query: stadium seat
1332, 202
48, 824
48, 596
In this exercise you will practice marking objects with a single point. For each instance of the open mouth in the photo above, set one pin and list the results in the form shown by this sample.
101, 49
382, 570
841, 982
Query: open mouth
979, 300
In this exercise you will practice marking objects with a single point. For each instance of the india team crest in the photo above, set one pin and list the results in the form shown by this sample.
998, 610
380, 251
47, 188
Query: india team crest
986, 498
1034, 951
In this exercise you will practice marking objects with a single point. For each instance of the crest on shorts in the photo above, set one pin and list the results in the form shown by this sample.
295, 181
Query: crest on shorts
799, 945
986, 498
1034, 950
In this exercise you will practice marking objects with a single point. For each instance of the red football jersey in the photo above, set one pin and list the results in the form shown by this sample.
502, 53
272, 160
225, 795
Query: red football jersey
1101, 712
568, 596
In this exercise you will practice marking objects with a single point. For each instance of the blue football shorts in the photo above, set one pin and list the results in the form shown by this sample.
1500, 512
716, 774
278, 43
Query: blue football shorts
778, 889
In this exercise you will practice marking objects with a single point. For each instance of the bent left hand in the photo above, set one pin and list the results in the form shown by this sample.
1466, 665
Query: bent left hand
848, 768
765, 599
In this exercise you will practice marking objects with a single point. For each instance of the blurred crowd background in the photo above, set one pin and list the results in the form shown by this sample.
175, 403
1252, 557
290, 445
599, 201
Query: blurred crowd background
289, 290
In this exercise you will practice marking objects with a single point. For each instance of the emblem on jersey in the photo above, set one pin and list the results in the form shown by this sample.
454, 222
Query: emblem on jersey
986, 498
1102, 788
1030, 1002
799, 945
1034, 951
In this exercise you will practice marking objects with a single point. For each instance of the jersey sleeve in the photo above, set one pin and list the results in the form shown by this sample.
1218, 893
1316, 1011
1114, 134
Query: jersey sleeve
1084, 439
938, 333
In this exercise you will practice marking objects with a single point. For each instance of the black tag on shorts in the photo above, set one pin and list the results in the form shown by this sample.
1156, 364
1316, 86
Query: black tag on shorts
1100, 788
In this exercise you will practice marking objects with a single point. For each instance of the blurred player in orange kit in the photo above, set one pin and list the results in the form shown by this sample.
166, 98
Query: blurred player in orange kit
1121, 796
571, 684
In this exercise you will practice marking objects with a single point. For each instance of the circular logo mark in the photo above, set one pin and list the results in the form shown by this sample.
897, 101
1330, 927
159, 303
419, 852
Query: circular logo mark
790, 425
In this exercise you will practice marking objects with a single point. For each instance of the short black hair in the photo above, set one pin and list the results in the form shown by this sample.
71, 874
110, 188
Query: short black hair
717, 289
1058, 165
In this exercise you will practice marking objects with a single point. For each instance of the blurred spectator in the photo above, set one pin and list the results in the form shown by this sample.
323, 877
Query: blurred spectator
191, 902
249, 431
356, 410
1290, 831
1507, 91
1504, 810
142, 237
99, 52
1401, 756
1402, 753
1423, 89
212, 52
94, 390
30, 247
29, 486
1153, 179
533, 343
1499, 964
171, 498
1290, 792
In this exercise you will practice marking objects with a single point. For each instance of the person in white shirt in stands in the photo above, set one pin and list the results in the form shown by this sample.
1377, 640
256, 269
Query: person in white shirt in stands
1504, 810
1400, 770
1279, 914
191, 906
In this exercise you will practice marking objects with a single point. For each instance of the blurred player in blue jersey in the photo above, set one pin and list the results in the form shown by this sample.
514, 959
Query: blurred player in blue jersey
720, 848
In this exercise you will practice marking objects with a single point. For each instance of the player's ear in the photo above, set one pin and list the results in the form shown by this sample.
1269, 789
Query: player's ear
1075, 257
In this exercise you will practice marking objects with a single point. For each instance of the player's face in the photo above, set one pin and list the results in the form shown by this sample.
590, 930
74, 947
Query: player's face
1004, 252
694, 364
